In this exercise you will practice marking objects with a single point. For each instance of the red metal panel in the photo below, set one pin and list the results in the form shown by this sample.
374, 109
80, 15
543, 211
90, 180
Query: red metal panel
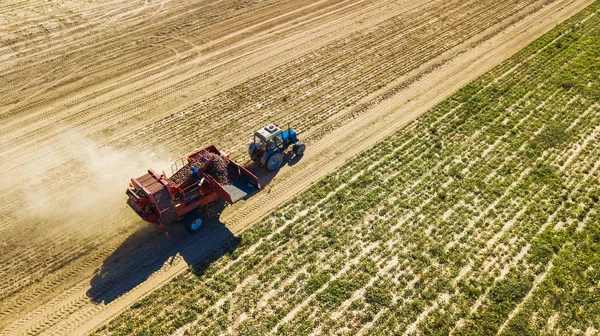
159, 195
249, 176
219, 189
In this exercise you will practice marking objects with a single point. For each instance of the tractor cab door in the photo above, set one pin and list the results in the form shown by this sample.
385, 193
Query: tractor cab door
274, 142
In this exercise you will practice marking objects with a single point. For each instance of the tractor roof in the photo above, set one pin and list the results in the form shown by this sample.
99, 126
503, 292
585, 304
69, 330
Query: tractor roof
267, 132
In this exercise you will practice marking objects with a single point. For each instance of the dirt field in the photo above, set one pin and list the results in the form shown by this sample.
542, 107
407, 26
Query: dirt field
94, 93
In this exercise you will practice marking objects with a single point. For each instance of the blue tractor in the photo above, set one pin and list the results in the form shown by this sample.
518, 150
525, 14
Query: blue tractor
269, 144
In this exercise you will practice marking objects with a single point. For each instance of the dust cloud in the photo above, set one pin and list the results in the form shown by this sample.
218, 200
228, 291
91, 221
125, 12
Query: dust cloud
75, 182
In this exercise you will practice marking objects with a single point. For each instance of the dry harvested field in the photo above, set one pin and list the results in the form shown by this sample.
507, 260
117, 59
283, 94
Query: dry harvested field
96, 92
479, 218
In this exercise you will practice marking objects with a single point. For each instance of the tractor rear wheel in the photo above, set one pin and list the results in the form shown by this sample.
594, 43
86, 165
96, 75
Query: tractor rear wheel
299, 148
193, 222
274, 161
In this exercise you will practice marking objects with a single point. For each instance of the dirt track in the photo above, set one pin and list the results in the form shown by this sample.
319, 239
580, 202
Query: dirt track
167, 77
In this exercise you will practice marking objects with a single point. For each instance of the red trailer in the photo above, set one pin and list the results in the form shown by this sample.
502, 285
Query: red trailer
201, 180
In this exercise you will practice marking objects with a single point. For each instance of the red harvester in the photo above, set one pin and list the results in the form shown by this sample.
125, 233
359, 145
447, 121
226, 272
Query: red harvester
190, 194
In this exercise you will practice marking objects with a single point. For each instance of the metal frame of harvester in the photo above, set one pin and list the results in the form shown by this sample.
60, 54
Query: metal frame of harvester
161, 200
195, 187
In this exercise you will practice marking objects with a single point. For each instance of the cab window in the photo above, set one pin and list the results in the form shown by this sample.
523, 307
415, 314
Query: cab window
258, 142
278, 141
270, 144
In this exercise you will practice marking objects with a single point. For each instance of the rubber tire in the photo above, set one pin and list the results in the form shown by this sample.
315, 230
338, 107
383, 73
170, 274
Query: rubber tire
299, 148
274, 161
193, 222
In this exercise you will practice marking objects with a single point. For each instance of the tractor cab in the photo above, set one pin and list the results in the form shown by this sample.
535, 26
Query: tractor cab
268, 137
269, 143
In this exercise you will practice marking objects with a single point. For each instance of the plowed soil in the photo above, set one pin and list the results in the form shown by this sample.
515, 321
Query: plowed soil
98, 92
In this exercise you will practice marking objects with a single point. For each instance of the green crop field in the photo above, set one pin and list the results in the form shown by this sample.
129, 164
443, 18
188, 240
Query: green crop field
481, 217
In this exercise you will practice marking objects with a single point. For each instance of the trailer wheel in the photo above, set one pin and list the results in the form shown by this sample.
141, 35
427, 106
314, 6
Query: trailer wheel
193, 222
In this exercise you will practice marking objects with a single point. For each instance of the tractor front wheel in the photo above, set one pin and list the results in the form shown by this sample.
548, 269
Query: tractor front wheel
193, 222
299, 148
274, 161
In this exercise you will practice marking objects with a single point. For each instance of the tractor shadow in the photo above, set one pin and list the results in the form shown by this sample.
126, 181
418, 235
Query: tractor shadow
150, 250
264, 176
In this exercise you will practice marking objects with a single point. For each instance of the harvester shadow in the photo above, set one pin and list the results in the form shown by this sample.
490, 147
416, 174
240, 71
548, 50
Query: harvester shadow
149, 250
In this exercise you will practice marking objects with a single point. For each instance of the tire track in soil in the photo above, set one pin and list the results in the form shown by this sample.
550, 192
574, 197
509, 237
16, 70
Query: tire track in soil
179, 83
137, 104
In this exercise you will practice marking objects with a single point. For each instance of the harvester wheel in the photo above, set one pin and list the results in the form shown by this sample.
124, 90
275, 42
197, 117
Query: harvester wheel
299, 148
193, 222
274, 161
